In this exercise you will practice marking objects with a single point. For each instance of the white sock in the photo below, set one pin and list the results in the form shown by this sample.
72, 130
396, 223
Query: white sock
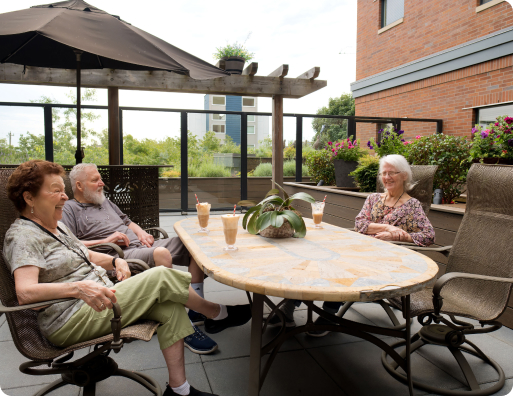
198, 288
183, 389
223, 313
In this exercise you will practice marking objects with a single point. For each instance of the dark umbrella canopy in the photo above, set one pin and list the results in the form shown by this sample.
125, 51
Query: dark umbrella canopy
43, 35
76, 35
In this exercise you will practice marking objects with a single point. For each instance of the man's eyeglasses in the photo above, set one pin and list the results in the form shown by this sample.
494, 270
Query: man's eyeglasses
391, 174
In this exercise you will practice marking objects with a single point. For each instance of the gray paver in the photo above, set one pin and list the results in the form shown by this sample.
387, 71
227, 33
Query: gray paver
5, 333
505, 391
292, 373
2, 319
68, 390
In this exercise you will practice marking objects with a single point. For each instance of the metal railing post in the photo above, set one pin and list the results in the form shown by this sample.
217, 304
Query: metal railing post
299, 149
184, 181
243, 156
48, 133
121, 160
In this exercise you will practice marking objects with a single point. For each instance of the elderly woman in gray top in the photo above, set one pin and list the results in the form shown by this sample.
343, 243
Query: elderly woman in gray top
48, 262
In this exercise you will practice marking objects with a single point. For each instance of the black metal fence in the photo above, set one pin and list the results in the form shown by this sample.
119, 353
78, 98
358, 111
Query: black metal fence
351, 131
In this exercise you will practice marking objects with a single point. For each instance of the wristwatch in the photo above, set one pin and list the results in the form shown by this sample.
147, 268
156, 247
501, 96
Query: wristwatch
114, 262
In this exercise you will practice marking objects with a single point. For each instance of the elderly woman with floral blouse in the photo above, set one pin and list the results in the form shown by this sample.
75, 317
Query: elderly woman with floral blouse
391, 216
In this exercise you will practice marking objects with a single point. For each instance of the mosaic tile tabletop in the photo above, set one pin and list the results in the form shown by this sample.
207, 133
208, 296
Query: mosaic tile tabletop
331, 264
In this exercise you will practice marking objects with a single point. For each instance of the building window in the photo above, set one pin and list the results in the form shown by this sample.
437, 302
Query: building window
219, 117
218, 128
219, 100
248, 102
251, 118
251, 146
484, 2
486, 115
391, 11
251, 130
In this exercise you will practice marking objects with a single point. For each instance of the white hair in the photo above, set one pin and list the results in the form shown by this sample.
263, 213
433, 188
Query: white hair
401, 165
77, 174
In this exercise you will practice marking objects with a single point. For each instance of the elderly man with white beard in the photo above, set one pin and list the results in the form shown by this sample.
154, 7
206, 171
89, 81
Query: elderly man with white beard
94, 219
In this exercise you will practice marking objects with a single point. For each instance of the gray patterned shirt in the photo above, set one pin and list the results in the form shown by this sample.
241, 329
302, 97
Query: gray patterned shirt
26, 244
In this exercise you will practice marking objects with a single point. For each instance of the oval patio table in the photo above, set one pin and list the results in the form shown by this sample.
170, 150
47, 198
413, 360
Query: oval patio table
330, 264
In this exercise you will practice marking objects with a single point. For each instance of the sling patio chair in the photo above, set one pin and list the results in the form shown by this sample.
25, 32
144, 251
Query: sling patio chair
22, 320
477, 283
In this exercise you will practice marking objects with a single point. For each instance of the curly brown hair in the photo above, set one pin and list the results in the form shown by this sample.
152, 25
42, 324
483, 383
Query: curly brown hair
30, 176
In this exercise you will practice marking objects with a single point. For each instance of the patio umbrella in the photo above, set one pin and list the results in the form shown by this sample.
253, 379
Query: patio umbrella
76, 35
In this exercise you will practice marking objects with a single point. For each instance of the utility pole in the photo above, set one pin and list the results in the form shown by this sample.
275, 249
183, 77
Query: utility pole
10, 136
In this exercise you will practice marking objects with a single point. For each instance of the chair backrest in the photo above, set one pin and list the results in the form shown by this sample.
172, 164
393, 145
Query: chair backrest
423, 176
483, 243
24, 328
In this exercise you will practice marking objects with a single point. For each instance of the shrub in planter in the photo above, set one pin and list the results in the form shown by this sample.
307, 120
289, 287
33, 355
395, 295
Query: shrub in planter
236, 49
209, 169
493, 142
289, 169
392, 142
345, 155
321, 167
366, 173
451, 154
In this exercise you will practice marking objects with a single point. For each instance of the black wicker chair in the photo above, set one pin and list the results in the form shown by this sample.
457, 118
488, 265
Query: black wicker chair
477, 283
22, 320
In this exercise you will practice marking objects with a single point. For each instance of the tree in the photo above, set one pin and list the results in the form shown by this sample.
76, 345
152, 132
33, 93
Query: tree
334, 129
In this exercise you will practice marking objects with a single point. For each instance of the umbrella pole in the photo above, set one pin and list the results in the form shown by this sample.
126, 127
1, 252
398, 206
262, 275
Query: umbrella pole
79, 154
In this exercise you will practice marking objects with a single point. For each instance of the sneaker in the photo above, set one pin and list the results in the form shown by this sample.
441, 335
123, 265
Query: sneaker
237, 316
289, 323
196, 318
320, 333
200, 343
193, 392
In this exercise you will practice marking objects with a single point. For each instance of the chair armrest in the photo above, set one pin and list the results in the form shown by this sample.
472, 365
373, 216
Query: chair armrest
118, 250
161, 230
4, 309
445, 250
139, 262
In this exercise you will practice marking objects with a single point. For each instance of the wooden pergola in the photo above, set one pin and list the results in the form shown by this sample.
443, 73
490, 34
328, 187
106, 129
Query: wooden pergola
276, 86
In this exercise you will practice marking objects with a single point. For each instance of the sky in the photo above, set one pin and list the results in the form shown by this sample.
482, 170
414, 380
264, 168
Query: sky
299, 33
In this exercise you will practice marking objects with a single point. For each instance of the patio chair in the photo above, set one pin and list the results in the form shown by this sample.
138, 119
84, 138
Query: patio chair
422, 176
478, 281
22, 320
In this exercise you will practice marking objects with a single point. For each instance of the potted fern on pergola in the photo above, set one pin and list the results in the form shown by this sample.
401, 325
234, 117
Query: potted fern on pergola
235, 56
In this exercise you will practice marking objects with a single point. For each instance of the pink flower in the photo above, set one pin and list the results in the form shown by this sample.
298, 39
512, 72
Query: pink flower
418, 137
333, 150
338, 144
329, 143
406, 143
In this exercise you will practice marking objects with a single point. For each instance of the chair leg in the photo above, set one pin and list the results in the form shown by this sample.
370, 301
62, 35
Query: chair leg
465, 368
143, 379
90, 389
342, 311
51, 387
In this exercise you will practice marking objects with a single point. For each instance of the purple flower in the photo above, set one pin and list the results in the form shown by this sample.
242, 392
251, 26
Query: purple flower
379, 144
381, 130
402, 140
484, 134
400, 132
510, 142
474, 130
508, 120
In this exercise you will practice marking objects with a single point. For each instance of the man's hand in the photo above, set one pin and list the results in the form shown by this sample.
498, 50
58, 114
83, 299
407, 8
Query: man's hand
95, 295
146, 239
122, 269
118, 238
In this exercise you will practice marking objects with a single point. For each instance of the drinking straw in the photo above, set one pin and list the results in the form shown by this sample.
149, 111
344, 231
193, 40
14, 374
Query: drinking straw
324, 200
234, 208
197, 198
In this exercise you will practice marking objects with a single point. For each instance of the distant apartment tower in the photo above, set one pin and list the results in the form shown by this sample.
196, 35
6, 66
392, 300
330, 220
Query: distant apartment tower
229, 124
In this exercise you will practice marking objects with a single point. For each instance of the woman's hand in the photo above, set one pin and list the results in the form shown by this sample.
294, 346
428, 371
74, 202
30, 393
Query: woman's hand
95, 295
122, 269
393, 233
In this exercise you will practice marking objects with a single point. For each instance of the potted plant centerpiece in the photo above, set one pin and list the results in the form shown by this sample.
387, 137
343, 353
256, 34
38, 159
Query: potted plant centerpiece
345, 155
391, 142
274, 216
493, 144
235, 55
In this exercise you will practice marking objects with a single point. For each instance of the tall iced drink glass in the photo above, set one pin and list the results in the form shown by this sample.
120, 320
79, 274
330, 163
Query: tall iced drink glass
230, 227
317, 211
203, 209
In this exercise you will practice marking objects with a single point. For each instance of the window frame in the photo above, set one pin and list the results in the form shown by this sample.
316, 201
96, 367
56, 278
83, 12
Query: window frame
254, 130
251, 115
220, 115
218, 96
478, 110
248, 97
383, 14
219, 125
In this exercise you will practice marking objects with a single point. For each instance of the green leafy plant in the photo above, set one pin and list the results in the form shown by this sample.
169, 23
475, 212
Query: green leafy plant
289, 169
366, 173
346, 150
451, 154
274, 211
496, 141
235, 49
392, 142
321, 167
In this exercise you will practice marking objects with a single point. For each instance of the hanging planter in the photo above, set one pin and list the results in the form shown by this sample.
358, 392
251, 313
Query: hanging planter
234, 55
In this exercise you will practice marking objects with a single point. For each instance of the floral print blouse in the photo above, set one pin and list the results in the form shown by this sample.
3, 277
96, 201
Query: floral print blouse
410, 217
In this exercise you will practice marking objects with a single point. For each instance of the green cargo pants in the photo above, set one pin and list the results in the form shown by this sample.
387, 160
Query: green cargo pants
157, 294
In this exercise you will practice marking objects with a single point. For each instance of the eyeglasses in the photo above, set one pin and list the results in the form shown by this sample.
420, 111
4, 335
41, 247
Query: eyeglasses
391, 174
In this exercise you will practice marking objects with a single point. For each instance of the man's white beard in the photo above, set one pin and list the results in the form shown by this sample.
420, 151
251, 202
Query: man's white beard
95, 197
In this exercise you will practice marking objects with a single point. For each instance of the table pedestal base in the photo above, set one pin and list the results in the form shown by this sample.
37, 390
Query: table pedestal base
258, 326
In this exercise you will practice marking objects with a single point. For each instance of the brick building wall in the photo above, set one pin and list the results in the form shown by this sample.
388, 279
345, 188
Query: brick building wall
444, 96
429, 26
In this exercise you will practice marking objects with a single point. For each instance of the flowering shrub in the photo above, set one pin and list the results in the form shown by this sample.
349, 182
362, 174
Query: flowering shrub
392, 142
346, 150
321, 167
450, 153
496, 141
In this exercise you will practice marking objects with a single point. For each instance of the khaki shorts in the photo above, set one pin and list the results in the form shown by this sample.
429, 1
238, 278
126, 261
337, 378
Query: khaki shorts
157, 294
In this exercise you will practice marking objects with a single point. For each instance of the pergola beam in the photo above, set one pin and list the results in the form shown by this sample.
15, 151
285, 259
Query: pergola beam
281, 71
258, 86
251, 69
311, 74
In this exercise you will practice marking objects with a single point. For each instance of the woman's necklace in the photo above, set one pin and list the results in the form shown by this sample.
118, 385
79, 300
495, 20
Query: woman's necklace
390, 209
